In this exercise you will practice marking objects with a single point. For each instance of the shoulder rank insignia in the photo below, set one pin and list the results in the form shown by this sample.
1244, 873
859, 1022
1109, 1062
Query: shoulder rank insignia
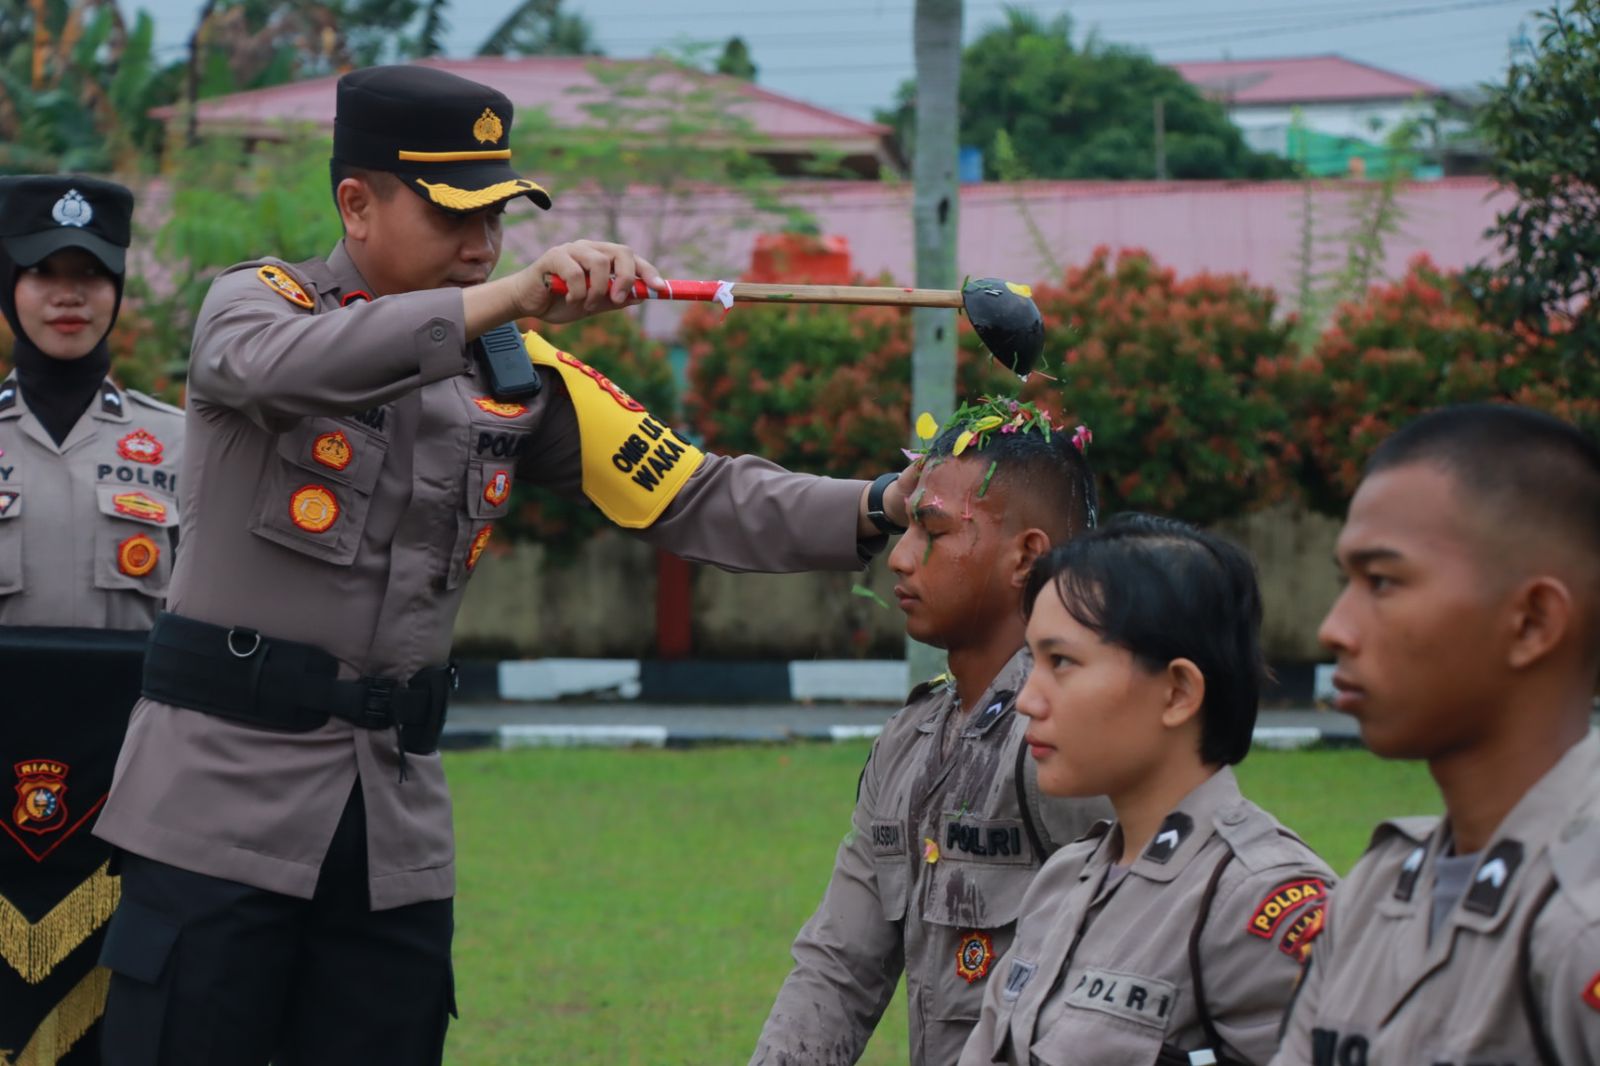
495, 407
333, 450
498, 488
475, 549
1282, 902
138, 505
137, 555
1174, 831
1494, 875
974, 956
313, 509
8, 396
8, 500
283, 283
140, 446
41, 796
110, 400
991, 714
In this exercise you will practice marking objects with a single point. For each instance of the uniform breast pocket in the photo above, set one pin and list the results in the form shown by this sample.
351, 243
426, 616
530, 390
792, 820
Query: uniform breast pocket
1106, 1017
491, 469
133, 542
976, 904
10, 538
317, 489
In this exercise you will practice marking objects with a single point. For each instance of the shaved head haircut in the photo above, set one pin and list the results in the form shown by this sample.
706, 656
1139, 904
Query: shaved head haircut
1049, 483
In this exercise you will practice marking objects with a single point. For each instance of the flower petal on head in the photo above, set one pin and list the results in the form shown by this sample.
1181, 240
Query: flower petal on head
966, 438
927, 428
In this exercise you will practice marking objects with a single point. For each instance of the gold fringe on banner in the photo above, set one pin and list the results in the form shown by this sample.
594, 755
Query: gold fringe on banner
65, 1025
34, 948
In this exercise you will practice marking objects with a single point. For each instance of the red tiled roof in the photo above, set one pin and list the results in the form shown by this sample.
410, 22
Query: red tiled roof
1302, 80
533, 81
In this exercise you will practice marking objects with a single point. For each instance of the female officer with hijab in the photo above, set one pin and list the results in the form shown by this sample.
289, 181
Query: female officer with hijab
88, 525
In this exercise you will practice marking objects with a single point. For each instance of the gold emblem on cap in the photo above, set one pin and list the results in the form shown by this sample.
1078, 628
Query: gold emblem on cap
488, 128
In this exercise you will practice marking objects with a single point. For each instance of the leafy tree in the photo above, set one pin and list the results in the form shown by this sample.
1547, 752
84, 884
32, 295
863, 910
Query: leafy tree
1541, 126
735, 60
541, 28
1085, 111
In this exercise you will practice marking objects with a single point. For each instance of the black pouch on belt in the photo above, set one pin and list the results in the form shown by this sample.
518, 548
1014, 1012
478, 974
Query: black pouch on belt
241, 675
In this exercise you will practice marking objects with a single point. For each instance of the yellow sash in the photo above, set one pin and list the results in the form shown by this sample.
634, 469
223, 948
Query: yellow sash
633, 465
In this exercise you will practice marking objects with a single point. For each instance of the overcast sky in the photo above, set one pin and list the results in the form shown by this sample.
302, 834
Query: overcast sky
849, 55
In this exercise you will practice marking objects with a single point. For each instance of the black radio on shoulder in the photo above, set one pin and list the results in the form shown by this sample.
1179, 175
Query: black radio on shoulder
512, 375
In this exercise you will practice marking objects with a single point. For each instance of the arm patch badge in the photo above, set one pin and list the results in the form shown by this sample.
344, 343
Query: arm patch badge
1302, 931
1591, 992
283, 283
1284, 900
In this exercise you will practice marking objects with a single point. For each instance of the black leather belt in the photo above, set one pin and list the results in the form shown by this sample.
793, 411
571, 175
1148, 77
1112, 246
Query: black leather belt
281, 684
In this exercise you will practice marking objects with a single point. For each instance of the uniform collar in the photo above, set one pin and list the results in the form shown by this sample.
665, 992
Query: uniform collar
998, 703
111, 405
1182, 835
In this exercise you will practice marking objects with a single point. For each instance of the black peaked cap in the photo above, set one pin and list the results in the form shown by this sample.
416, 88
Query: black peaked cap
40, 214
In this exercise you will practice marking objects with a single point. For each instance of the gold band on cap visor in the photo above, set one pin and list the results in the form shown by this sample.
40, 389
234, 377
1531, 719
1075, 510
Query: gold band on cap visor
454, 199
453, 157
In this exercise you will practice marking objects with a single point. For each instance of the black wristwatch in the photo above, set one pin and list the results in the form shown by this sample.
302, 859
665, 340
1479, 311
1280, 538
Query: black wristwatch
875, 510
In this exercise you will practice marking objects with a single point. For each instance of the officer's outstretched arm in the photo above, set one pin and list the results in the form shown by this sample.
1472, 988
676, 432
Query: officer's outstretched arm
259, 349
847, 959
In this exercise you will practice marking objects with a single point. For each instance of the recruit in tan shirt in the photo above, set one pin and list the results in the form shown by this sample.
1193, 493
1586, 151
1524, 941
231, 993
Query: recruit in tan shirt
343, 470
1100, 972
1516, 962
88, 527
887, 908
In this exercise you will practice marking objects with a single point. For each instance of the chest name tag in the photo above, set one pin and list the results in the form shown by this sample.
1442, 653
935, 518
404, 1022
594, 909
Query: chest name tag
1142, 1000
633, 465
999, 841
887, 839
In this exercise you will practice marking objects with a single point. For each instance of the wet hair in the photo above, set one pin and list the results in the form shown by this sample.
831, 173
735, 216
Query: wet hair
1052, 475
1532, 469
383, 184
1165, 590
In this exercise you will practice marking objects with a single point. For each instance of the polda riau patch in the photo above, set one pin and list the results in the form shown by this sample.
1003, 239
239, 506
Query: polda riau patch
283, 283
41, 796
138, 555
497, 488
140, 446
503, 410
313, 508
333, 450
1302, 931
475, 550
974, 956
1282, 902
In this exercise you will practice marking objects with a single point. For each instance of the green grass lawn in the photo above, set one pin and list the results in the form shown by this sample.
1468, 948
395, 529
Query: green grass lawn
637, 906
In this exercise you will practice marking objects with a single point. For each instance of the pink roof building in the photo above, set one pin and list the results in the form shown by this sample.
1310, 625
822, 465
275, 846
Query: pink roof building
791, 130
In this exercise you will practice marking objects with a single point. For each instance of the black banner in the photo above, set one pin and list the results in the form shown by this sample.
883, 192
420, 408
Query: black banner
66, 695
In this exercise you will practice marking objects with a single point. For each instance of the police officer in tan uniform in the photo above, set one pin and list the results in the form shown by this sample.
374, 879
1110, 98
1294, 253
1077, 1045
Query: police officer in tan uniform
949, 825
289, 863
88, 470
1466, 636
1176, 934
88, 527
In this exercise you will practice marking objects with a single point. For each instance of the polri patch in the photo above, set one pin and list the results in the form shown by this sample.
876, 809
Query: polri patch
1302, 931
1173, 832
313, 508
1282, 902
1591, 992
138, 505
140, 446
475, 550
1144, 1001
283, 283
137, 555
974, 956
503, 410
498, 488
333, 450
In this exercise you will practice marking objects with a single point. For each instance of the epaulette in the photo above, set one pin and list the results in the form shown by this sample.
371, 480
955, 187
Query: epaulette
151, 402
933, 684
1415, 830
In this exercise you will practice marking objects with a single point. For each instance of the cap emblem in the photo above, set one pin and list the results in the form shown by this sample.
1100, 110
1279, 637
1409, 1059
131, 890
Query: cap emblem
72, 210
488, 129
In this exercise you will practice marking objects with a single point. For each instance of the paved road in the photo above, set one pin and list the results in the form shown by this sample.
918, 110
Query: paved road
582, 723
